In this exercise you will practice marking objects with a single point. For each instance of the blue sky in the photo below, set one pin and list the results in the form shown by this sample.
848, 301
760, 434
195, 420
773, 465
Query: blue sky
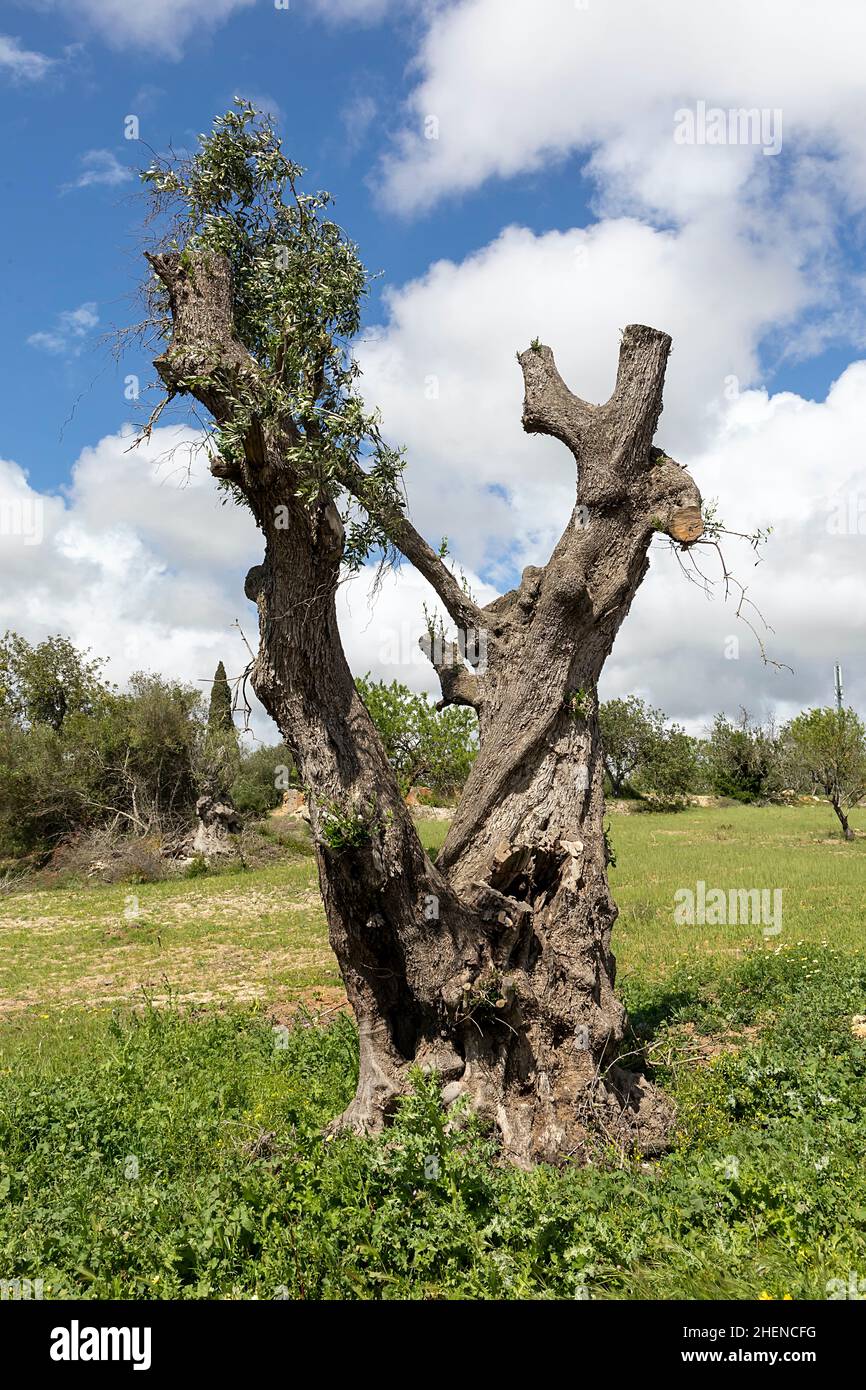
63, 246
555, 199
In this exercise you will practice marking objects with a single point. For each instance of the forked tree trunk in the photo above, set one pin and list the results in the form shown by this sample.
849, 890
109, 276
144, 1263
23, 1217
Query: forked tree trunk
492, 966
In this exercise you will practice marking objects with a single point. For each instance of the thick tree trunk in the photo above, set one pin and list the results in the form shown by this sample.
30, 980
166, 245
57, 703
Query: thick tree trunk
493, 966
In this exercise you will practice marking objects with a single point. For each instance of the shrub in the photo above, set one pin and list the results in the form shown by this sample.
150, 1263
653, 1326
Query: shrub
669, 770
745, 760
424, 745
263, 775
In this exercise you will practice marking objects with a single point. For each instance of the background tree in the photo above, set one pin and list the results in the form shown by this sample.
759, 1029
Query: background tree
162, 727
493, 966
45, 683
37, 806
218, 756
744, 760
830, 746
121, 761
219, 717
629, 728
53, 704
425, 746
263, 776
670, 766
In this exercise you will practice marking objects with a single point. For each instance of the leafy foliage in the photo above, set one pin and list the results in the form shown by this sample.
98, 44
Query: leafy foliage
218, 756
670, 769
830, 745
629, 729
745, 760
45, 683
425, 746
75, 753
263, 775
345, 828
219, 717
298, 285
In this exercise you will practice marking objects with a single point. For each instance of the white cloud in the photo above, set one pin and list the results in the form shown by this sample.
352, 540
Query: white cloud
159, 26
720, 245
139, 562
799, 467
22, 64
69, 331
443, 368
358, 116
100, 167
381, 620
512, 86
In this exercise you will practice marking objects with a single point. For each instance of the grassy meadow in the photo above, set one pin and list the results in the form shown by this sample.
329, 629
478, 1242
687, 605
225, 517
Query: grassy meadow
169, 1053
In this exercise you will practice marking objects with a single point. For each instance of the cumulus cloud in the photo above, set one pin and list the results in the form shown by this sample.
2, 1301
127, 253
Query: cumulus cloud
160, 26
728, 246
67, 335
140, 562
382, 618
505, 87
443, 371
22, 64
137, 560
100, 167
798, 466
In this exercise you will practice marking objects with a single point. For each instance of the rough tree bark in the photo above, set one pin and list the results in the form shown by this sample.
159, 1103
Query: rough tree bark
494, 964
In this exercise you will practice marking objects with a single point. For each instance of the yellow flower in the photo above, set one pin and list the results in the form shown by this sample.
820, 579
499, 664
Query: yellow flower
765, 1297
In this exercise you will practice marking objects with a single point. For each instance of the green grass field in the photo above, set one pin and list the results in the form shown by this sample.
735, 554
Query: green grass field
261, 935
158, 1137
796, 849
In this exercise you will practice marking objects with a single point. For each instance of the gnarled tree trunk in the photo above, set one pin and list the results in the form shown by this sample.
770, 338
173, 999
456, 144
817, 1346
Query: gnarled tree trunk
494, 964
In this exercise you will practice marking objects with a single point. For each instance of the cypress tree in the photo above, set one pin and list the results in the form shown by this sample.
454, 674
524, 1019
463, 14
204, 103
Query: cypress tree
219, 717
